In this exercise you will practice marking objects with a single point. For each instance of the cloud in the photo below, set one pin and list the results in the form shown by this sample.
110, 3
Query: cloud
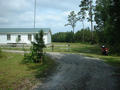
4, 20
57, 4
13, 5
49, 13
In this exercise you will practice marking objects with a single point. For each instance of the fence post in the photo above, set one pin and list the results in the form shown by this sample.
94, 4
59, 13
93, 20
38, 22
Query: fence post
68, 47
52, 47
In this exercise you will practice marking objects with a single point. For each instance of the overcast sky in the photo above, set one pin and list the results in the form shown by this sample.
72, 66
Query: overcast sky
50, 14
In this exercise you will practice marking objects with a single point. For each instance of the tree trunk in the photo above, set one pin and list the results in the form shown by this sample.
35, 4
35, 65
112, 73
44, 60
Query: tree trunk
91, 18
73, 29
73, 34
83, 30
41, 60
92, 30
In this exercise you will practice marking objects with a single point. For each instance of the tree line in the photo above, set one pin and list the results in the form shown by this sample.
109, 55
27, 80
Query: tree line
106, 15
74, 37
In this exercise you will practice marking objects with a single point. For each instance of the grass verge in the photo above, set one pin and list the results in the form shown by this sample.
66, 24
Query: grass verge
15, 75
87, 50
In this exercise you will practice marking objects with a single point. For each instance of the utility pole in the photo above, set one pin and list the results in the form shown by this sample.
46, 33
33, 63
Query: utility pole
34, 13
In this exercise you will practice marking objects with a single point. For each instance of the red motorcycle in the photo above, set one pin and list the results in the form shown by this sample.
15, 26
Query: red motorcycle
104, 50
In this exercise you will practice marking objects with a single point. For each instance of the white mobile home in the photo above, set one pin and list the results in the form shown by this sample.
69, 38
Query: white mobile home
22, 35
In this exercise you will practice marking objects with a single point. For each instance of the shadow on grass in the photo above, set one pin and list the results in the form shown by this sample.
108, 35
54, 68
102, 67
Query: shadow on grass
43, 70
95, 51
116, 63
112, 61
88, 50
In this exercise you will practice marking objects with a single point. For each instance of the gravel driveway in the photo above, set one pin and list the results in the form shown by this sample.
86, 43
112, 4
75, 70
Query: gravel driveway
77, 72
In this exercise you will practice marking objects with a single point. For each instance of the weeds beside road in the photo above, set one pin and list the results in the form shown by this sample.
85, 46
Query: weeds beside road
15, 75
87, 50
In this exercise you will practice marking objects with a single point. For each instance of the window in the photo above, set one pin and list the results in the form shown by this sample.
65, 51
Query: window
29, 37
19, 37
8, 37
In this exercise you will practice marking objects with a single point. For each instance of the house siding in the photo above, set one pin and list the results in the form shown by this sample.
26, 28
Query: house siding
49, 38
24, 38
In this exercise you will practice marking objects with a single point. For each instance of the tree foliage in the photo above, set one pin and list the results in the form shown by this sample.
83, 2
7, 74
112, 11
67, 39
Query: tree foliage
107, 17
72, 20
87, 6
82, 15
78, 36
36, 54
63, 37
106, 14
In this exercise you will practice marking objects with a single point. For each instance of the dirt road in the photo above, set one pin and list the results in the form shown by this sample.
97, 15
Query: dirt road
77, 72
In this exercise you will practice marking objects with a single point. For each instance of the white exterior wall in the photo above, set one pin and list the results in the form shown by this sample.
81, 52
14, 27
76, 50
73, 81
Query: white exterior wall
45, 38
24, 38
49, 38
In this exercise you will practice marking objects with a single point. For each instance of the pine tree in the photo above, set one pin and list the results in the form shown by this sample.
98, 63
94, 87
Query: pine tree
72, 20
113, 31
37, 47
82, 15
36, 54
107, 17
88, 6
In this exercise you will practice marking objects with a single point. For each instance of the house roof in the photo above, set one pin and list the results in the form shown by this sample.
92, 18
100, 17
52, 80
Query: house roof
23, 30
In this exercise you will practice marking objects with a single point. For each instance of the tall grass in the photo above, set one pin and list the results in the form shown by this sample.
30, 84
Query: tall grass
15, 75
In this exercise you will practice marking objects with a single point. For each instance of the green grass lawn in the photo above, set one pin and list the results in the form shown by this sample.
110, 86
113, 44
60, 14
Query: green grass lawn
16, 48
87, 50
16, 75
83, 48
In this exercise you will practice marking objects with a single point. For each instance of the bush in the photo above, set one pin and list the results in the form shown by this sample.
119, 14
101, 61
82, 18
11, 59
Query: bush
27, 58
